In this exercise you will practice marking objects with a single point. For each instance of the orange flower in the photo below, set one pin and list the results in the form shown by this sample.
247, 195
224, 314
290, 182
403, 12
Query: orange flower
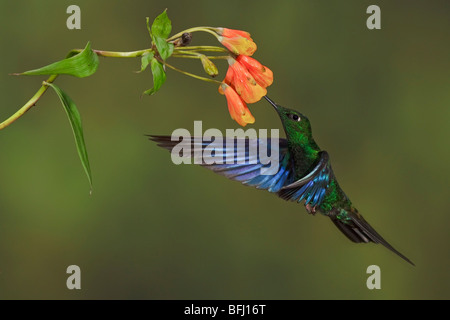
262, 75
237, 41
236, 106
231, 33
239, 45
243, 82
246, 79
229, 76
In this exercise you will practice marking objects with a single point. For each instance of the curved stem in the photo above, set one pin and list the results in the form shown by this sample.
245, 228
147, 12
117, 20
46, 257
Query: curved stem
202, 48
44, 87
185, 56
189, 74
179, 55
205, 29
187, 52
29, 104
130, 54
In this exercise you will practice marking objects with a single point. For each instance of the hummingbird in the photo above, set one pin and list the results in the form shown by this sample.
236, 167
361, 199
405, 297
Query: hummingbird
304, 175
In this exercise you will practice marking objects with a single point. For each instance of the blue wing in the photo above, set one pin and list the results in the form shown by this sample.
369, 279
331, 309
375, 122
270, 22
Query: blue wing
240, 160
312, 187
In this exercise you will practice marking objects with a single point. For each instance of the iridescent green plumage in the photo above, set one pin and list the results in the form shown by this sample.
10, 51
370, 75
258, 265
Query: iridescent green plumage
335, 203
303, 175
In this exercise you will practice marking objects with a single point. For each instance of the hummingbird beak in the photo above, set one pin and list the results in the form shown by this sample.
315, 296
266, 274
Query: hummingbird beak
271, 102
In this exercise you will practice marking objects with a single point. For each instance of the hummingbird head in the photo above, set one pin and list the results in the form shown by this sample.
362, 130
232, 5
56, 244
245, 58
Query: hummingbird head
295, 124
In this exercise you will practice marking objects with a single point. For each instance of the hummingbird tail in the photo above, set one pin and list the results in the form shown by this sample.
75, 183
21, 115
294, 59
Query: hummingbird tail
358, 230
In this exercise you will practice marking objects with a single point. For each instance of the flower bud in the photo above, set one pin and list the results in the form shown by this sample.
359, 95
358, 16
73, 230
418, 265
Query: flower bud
209, 67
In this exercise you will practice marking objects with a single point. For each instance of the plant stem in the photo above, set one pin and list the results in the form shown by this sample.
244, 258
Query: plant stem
192, 54
29, 104
202, 48
177, 55
140, 53
117, 54
181, 52
190, 74
205, 29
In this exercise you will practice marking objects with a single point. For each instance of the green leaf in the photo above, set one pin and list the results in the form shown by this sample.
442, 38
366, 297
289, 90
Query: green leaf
147, 21
162, 26
160, 31
80, 65
165, 49
75, 122
145, 60
159, 76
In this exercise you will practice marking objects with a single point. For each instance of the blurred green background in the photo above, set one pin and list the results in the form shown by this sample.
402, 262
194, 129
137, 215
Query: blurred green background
379, 103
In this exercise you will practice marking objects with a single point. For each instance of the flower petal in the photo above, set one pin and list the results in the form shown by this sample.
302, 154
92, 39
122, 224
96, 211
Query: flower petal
239, 45
244, 84
262, 75
231, 33
229, 76
236, 106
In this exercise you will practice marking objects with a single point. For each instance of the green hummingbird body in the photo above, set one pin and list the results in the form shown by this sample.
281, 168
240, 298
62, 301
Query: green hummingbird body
334, 203
304, 175
335, 198
305, 154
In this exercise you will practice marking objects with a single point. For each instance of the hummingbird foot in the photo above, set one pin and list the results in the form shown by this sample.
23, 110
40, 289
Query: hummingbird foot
311, 210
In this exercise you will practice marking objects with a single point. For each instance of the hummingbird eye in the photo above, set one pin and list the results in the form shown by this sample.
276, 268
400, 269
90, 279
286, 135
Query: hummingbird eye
294, 117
